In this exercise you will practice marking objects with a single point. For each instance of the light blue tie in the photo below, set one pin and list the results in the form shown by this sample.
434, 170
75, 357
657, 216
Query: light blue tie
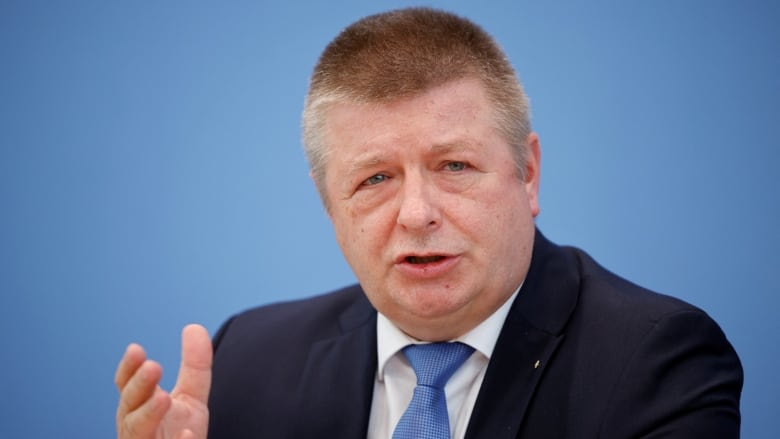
426, 417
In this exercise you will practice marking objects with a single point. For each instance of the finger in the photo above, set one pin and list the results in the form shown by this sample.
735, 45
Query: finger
132, 359
139, 388
196, 356
145, 420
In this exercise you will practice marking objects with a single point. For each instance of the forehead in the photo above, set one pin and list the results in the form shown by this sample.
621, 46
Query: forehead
446, 110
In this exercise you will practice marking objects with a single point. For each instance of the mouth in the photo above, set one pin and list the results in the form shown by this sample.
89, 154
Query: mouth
423, 259
426, 266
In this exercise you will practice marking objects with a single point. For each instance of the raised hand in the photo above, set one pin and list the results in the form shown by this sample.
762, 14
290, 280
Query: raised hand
147, 411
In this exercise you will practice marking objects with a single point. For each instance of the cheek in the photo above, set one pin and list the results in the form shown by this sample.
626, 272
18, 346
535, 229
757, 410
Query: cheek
500, 214
358, 232
344, 228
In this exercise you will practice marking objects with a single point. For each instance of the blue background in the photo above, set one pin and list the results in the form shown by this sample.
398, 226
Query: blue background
151, 173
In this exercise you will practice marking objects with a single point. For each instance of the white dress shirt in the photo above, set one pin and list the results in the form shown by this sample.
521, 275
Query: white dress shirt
395, 379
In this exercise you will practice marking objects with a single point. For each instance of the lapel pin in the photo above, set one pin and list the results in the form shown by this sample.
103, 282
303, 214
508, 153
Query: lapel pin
536, 365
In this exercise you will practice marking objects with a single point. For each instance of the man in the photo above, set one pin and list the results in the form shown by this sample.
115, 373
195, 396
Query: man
417, 132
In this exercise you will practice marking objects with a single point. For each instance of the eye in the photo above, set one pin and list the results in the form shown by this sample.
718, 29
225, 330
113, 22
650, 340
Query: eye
374, 179
455, 166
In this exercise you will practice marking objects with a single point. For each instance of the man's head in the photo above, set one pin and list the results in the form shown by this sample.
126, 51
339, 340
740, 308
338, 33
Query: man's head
402, 53
428, 172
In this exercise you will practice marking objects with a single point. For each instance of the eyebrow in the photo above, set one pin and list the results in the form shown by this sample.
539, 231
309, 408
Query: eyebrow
456, 146
377, 159
369, 161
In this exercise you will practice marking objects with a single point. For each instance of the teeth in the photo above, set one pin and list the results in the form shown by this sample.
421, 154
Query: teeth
424, 259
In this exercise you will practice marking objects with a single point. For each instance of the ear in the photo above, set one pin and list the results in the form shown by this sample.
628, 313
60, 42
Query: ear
532, 172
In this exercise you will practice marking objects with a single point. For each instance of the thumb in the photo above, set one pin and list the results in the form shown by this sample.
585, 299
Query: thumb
195, 371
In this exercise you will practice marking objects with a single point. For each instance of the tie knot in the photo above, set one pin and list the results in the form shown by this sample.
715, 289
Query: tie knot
434, 363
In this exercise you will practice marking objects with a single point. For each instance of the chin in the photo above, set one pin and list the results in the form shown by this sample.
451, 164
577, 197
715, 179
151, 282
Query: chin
433, 308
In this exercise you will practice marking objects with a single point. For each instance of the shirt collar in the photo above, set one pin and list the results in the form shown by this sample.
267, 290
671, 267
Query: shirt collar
482, 338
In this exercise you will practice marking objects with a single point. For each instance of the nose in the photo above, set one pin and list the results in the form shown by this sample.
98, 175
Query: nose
419, 208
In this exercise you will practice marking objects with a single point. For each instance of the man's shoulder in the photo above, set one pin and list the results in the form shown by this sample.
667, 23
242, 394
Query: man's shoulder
311, 317
609, 292
330, 302
623, 316
263, 354
566, 285
641, 361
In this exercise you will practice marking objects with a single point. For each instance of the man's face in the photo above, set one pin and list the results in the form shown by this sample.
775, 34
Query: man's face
428, 207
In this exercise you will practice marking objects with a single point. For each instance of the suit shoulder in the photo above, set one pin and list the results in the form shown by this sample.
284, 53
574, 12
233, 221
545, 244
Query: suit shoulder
599, 287
308, 318
330, 302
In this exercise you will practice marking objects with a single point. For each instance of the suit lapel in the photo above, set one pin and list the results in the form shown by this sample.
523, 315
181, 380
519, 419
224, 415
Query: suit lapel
531, 333
337, 384
511, 379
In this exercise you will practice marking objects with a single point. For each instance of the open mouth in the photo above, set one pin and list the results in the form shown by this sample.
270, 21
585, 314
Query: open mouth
423, 259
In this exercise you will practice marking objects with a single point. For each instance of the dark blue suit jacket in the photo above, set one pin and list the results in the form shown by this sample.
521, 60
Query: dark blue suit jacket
582, 354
